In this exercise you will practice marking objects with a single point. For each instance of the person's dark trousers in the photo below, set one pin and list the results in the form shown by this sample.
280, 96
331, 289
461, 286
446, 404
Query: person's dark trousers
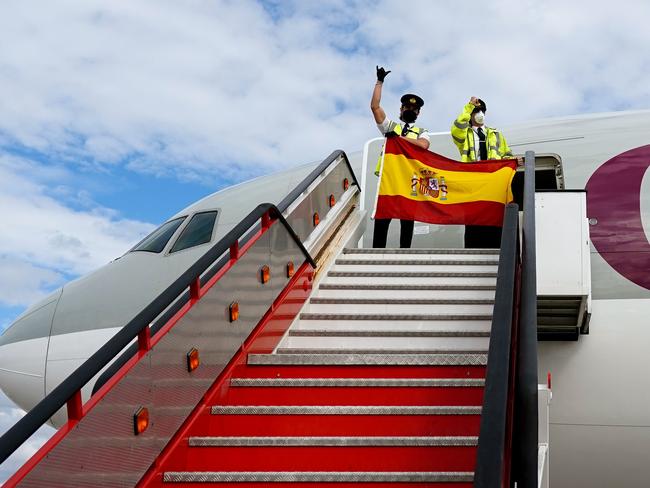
380, 234
482, 236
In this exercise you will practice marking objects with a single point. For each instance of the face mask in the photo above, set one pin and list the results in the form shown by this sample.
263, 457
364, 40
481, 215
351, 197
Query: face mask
409, 116
479, 118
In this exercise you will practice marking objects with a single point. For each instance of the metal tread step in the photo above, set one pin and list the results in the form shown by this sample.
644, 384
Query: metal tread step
420, 359
411, 274
342, 286
417, 262
343, 410
375, 250
306, 350
354, 316
339, 441
401, 301
386, 333
316, 477
359, 382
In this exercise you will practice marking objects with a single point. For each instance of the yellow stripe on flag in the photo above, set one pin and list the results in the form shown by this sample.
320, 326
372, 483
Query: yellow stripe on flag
416, 181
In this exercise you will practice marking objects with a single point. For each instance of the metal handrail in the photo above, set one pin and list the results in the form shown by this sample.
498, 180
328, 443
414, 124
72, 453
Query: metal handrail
70, 387
526, 408
311, 177
182, 300
491, 450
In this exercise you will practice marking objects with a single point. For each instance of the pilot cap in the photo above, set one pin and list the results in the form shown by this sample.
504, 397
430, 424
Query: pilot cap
410, 99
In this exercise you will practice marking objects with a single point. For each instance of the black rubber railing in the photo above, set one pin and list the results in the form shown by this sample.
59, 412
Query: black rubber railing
311, 177
526, 441
491, 456
47, 407
508, 438
214, 269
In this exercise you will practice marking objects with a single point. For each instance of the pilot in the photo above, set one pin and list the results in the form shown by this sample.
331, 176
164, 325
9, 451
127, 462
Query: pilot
408, 114
477, 142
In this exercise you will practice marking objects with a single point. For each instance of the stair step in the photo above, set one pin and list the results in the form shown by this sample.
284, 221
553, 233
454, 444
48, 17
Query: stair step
455, 359
388, 263
400, 301
406, 326
392, 317
405, 293
391, 352
387, 333
378, 344
291, 396
320, 423
399, 308
464, 280
343, 371
317, 477
359, 382
409, 287
345, 410
410, 274
342, 441
371, 250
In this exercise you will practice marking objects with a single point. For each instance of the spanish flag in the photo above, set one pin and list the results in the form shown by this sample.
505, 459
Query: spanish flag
416, 184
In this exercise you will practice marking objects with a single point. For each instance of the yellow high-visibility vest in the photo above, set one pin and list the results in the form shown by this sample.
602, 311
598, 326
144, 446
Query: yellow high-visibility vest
463, 137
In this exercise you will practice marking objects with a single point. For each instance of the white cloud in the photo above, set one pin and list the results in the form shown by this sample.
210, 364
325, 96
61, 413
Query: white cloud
9, 415
44, 239
22, 283
188, 88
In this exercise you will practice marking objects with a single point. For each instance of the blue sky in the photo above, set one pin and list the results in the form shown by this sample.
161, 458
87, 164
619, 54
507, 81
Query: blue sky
115, 115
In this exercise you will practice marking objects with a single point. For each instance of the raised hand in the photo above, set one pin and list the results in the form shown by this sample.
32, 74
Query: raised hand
381, 74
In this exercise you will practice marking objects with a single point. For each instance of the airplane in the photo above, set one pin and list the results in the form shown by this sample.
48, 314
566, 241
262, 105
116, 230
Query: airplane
600, 414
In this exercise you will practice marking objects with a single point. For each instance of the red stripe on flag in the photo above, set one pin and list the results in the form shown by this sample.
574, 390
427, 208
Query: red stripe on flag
469, 213
399, 147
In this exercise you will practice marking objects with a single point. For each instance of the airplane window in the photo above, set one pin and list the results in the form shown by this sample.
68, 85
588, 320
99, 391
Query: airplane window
198, 231
157, 240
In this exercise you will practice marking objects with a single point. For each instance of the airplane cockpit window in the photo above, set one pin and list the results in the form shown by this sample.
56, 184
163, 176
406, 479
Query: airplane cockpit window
158, 239
198, 231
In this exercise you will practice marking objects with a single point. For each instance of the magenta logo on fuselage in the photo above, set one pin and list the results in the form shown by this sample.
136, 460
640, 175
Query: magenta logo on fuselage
614, 200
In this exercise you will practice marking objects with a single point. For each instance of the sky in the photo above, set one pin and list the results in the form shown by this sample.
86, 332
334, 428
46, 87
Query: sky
115, 115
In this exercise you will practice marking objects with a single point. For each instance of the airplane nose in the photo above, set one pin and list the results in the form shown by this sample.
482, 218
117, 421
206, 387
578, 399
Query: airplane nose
23, 352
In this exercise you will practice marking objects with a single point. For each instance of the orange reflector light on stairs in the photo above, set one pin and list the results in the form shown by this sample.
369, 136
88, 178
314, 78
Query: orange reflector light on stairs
346, 184
193, 360
332, 201
140, 420
233, 310
290, 269
316, 219
265, 274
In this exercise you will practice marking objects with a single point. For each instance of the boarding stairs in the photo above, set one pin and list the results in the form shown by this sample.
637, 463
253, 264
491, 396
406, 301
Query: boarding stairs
288, 355
378, 381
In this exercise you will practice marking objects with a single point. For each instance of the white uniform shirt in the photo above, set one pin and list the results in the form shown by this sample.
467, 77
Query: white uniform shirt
385, 125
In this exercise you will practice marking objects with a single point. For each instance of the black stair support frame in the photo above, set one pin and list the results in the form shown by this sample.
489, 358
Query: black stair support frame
526, 434
490, 457
514, 332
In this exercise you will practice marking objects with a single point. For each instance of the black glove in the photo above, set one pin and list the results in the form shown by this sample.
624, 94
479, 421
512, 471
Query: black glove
381, 74
390, 134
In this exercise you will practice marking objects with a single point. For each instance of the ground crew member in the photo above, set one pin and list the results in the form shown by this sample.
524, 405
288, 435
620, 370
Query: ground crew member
409, 111
477, 142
